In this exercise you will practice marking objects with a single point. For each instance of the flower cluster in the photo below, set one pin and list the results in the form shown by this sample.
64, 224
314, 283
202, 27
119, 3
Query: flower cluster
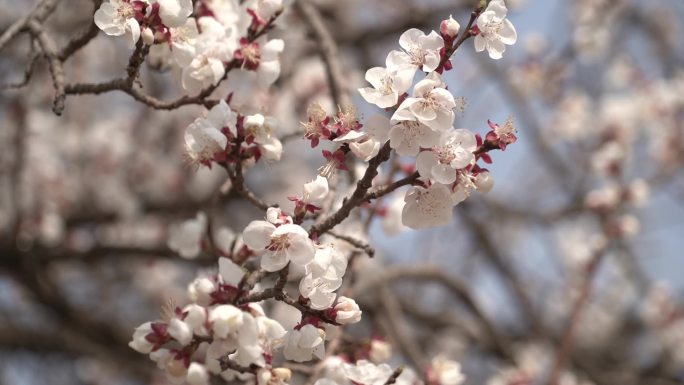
214, 330
221, 334
203, 41
225, 331
200, 40
422, 123
494, 32
224, 136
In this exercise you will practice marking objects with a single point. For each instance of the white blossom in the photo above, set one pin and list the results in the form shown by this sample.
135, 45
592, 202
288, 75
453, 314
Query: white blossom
387, 84
328, 262
420, 51
116, 18
319, 290
222, 116
161, 357
608, 155
180, 331
431, 104
366, 145
272, 150
213, 48
197, 374
323, 276
200, 290
275, 216
315, 191
230, 14
271, 334
378, 127
196, 319
265, 9
204, 70
280, 245
217, 349
577, 243
391, 221
367, 373
186, 238
147, 36
225, 319
495, 30
447, 372
427, 207
230, 273
203, 141
408, 136
176, 371
139, 342
204, 138
276, 376
380, 351
347, 311
303, 344
465, 184
260, 128
249, 349
269, 63
226, 240
333, 371
183, 39
454, 151
174, 13
361, 144
608, 196
484, 182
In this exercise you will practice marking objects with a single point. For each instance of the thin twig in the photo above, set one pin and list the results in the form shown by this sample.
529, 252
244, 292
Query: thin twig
328, 50
81, 39
380, 192
366, 248
393, 378
565, 349
28, 72
459, 289
49, 49
39, 13
357, 197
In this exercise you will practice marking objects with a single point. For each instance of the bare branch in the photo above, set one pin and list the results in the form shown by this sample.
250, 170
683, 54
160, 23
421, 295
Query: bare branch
328, 51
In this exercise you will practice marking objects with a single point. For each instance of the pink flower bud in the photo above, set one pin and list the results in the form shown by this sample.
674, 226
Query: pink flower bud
449, 27
147, 36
